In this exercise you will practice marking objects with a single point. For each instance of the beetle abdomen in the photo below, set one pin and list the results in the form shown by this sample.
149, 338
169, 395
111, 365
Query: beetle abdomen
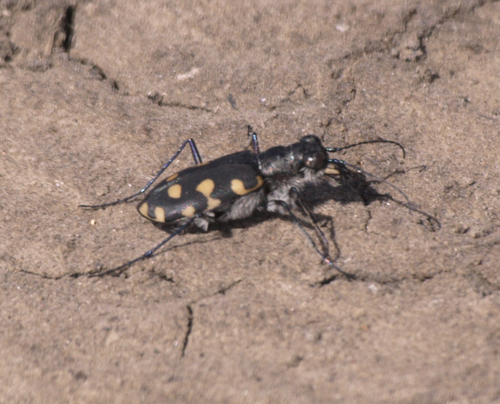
196, 190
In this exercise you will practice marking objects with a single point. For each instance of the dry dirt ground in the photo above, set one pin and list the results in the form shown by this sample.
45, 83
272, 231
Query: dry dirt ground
96, 95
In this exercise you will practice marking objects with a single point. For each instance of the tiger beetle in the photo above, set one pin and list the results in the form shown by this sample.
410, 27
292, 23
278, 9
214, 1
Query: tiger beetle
237, 185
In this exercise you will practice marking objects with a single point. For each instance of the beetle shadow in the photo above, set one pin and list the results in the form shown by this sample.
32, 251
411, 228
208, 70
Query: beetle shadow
354, 187
349, 188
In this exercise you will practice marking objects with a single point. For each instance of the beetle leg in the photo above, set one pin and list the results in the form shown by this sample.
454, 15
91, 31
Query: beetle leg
254, 142
197, 160
326, 258
148, 254
319, 233
194, 150
408, 204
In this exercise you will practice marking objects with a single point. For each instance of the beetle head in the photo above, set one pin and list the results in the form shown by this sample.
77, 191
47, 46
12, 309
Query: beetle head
312, 153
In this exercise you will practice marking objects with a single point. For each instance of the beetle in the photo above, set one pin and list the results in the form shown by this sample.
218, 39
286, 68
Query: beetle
237, 185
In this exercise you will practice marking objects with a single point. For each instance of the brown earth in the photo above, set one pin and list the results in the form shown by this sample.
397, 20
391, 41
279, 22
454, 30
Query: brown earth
96, 95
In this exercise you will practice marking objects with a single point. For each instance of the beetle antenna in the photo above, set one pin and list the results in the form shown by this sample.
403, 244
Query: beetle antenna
121, 268
337, 149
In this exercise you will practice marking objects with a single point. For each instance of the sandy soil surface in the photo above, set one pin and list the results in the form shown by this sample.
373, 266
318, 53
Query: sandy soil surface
96, 95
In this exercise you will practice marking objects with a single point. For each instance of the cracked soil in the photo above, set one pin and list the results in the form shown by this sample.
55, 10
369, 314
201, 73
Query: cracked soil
96, 95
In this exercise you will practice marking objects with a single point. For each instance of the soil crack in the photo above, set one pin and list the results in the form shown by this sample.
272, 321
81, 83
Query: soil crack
224, 289
68, 27
158, 99
188, 330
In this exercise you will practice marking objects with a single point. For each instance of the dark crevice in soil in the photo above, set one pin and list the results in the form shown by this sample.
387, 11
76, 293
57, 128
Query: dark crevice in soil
408, 17
224, 289
295, 362
232, 101
98, 73
326, 281
367, 222
188, 330
38, 66
388, 280
427, 32
8, 50
381, 279
481, 284
299, 87
346, 92
185, 106
387, 43
44, 276
166, 278
158, 99
68, 27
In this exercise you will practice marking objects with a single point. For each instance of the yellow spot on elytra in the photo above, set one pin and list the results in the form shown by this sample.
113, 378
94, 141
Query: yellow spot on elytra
206, 187
174, 191
160, 214
238, 187
213, 203
189, 211
172, 177
143, 210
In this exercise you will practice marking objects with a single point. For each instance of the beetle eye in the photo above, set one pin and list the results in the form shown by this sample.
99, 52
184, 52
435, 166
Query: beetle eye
314, 161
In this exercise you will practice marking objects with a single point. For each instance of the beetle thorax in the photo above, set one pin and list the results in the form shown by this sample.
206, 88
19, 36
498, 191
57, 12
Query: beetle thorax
294, 166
